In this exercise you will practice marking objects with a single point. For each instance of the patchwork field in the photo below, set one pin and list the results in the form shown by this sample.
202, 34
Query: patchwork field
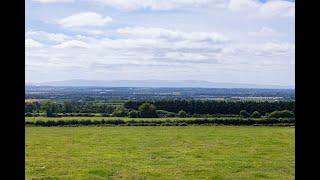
195, 152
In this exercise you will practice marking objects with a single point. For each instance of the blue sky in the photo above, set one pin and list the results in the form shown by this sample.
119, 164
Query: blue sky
239, 41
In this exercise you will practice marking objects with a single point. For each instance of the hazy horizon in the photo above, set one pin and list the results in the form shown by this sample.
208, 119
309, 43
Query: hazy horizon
157, 83
220, 41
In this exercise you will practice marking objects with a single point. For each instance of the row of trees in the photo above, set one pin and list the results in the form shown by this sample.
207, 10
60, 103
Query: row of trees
69, 107
167, 108
216, 107
274, 114
145, 110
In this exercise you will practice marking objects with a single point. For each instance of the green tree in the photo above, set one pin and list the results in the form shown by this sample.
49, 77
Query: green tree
281, 114
256, 114
133, 114
244, 114
120, 112
67, 107
147, 110
49, 108
182, 114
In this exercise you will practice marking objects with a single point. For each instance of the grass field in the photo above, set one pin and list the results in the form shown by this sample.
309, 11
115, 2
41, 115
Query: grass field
197, 152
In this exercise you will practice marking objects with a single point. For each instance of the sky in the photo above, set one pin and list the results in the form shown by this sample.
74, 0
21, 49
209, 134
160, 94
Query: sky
232, 41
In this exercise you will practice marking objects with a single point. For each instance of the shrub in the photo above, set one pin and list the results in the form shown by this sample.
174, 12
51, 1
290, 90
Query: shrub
244, 114
255, 114
183, 124
163, 113
28, 114
105, 115
166, 124
182, 114
133, 114
281, 114
148, 110
171, 114
36, 114
120, 112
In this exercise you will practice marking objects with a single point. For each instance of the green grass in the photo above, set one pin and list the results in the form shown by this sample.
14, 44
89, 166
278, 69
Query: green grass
195, 152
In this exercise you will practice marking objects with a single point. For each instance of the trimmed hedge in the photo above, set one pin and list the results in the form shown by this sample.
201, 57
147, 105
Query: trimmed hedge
168, 122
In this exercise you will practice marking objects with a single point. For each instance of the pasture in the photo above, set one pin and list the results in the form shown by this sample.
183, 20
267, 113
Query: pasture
191, 152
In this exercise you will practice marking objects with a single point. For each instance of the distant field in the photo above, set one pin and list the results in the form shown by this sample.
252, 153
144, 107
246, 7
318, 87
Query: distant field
195, 152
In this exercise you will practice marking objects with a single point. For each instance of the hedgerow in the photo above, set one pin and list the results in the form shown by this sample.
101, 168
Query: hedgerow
167, 122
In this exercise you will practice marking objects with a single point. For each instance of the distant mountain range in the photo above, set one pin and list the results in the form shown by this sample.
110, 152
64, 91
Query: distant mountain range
156, 84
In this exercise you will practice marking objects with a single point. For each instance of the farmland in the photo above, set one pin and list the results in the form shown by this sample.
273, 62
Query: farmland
197, 152
75, 133
121, 94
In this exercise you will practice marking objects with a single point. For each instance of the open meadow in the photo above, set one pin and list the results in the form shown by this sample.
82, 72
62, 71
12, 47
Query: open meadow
191, 152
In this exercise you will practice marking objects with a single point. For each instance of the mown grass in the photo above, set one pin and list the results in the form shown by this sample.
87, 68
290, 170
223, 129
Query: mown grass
195, 152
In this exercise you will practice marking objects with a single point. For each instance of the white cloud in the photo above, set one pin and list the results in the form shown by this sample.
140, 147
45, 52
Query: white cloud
243, 5
171, 34
84, 19
30, 43
53, 1
45, 36
191, 57
269, 9
275, 48
72, 44
217, 40
265, 32
85, 56
157, 4
278, 8
282, 52
255, 8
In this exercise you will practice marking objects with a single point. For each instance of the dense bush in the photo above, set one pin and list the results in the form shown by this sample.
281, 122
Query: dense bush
133, 114
147, 110
49, 108
169, 122
182, 114
69, 107
105, 115
31, 107
163, 113
169, 108
282, 114
244, 114
183, 124
255, 114
28, 114
120, 112
215, 107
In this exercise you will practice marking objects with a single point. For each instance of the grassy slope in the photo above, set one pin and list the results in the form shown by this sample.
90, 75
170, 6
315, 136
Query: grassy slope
206, 152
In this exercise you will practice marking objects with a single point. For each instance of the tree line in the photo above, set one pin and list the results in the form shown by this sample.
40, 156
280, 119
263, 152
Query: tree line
69, 107
166, 108
167, 122
215, 107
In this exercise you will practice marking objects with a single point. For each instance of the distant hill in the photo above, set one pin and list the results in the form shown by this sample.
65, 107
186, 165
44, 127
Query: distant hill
156, 84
